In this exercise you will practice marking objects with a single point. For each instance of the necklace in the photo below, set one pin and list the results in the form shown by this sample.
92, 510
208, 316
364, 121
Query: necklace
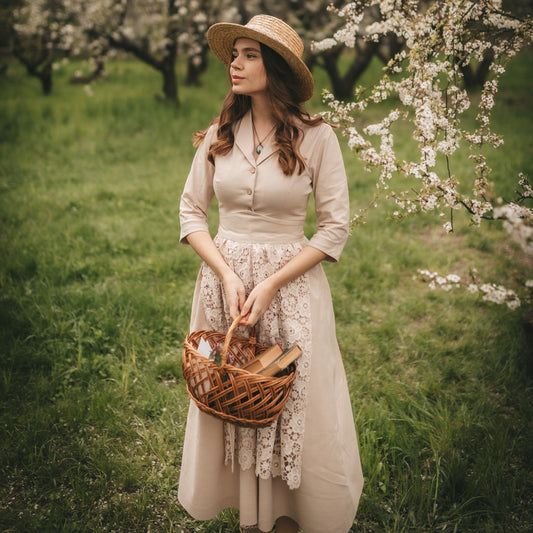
259, 147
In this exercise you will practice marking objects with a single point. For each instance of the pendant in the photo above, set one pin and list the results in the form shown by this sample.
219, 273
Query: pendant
259, 148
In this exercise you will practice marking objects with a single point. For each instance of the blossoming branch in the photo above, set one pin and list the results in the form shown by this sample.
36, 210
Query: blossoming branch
426, 79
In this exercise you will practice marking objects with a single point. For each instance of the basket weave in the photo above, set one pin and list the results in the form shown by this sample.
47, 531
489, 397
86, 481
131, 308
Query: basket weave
226, 391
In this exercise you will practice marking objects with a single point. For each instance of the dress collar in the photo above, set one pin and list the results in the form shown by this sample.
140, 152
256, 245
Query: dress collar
244, 140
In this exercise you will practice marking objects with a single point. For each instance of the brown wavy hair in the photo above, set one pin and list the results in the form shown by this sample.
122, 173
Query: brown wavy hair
286, 111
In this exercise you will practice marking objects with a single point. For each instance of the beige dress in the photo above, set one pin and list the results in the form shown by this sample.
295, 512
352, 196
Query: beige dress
306, 465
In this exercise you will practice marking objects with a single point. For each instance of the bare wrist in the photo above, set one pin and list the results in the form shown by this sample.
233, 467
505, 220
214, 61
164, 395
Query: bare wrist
226, 274
273, 283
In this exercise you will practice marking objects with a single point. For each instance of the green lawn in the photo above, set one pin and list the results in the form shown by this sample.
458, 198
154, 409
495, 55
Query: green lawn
94, 306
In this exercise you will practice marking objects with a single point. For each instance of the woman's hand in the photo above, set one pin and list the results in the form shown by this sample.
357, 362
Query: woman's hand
234, 290
235, 293
261, 297
253, 307
258, 302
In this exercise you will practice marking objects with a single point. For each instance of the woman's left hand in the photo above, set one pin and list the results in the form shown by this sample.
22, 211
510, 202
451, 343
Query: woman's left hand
261, 296
258, 302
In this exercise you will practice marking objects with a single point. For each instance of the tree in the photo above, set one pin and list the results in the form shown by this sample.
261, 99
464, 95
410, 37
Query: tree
155, 31
476, 73
194, 42
426, 79
330, 56
313, 22
7, 9
146, 29
42, 30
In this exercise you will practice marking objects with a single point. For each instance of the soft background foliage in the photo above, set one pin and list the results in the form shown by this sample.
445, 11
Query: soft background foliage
95, 299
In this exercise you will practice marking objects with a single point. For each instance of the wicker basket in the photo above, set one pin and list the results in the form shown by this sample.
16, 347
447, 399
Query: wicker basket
226, 391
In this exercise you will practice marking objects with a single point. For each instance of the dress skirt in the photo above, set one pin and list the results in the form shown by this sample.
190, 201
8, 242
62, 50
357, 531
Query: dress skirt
318, 481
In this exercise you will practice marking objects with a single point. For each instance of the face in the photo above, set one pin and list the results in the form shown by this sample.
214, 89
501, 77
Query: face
248, 74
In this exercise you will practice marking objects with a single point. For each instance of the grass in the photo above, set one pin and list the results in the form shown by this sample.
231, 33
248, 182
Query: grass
94, 306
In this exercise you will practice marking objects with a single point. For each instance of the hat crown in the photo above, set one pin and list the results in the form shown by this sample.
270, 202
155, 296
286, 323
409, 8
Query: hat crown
272, 32
279, 31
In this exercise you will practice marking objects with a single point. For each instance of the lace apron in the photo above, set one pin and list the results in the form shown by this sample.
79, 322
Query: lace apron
277, 449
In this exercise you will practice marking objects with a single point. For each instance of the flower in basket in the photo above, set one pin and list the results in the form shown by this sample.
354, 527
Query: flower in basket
229, 358
215, 355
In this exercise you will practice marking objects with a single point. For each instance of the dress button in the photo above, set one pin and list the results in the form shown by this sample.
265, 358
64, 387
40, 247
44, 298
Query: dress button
248, 191
252, 170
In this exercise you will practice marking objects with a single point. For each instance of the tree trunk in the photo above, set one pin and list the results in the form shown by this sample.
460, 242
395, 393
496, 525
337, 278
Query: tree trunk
168, 69
329, 63
45, 75
343, 86
476, 77
528, 329
363, 57
195, 70
39, 66
166, 65
99, 69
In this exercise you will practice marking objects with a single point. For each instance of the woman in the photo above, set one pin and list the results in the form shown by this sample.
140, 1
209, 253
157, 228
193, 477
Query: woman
262, 158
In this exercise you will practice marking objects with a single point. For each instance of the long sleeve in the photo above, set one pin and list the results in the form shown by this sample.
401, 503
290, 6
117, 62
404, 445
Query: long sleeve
330, 189
198, 191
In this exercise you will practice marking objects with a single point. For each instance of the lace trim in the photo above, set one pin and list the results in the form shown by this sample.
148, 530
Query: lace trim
275, 450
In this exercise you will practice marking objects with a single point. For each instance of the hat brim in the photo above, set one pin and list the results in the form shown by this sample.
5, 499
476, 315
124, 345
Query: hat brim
221, 38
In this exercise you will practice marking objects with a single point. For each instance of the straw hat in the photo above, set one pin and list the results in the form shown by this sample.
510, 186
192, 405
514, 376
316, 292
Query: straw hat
272, 32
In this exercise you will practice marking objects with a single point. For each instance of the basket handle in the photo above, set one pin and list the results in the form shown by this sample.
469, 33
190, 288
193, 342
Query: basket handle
227, 340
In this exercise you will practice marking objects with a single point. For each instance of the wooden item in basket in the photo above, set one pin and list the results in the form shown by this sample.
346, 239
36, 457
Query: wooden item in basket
284, 363
264, 359
273, 361
227, 391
